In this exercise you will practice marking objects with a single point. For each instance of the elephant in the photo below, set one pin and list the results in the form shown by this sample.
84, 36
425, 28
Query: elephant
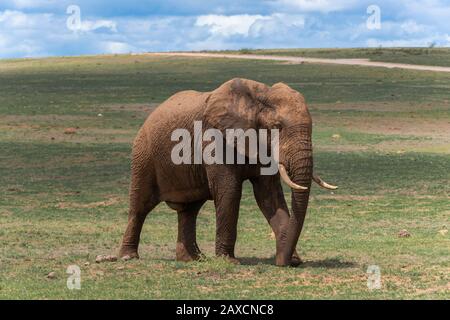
236, 104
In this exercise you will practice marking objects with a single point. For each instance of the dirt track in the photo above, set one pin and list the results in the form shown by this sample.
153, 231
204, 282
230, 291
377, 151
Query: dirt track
354, 62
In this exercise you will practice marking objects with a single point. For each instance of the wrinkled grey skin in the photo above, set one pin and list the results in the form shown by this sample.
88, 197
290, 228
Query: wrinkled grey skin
238, 103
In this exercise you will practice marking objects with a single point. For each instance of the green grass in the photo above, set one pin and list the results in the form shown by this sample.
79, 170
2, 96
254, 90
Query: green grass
64, 197
421, 56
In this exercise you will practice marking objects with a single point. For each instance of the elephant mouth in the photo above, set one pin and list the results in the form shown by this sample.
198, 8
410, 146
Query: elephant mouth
284, 175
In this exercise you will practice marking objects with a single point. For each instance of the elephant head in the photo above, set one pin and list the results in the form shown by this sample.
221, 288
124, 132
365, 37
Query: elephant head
245, 104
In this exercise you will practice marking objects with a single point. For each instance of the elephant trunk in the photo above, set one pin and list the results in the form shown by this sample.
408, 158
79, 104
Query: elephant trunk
298, 161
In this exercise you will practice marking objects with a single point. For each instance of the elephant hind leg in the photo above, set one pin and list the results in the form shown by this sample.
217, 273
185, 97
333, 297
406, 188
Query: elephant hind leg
187, 248
143, 198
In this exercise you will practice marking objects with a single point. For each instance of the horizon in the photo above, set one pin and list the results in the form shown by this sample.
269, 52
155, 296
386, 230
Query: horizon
217, 51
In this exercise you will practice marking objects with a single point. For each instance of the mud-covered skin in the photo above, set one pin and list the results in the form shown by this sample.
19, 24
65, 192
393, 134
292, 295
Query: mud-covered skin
238, 103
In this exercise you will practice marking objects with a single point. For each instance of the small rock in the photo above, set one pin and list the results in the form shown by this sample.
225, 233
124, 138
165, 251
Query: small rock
100, 115
86, 264
404, 234
126, 258
336, 136
51, 275
105, 258
70, 131
111, 258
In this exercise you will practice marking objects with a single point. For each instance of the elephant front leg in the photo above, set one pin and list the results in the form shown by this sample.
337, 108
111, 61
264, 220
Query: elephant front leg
227, 197
270, 199
226, 229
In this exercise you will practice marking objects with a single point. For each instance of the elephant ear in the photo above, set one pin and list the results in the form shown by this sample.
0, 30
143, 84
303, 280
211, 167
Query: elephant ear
241, 104
235, 105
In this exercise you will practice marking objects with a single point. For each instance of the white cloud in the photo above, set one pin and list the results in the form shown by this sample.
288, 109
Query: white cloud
116, 47
40, 34
435, 12
228, 25
411, 26
91, 25
317, 5
26, 4
12, 19
249, 25
257, 31
278, 25
439, 40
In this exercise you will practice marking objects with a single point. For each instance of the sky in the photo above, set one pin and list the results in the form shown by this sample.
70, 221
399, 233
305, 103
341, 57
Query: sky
39, 28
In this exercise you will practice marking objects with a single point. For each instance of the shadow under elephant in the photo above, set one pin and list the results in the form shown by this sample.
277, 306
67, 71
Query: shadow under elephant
331, 263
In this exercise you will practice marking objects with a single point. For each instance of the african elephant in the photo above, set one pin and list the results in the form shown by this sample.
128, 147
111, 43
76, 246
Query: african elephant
238, 103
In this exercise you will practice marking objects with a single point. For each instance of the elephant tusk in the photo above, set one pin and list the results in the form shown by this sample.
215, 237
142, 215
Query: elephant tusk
322, 183
287, 180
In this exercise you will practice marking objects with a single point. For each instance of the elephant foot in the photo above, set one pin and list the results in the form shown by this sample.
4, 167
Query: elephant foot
233, 260
296, 260
228, 258
187, 254
128, 253
282, 261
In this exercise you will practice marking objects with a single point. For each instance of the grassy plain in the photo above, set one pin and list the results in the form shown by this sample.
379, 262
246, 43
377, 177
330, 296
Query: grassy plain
382, 135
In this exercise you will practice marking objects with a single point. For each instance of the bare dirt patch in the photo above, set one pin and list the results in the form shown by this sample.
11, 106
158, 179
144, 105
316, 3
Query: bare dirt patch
76, 205
437, 145
132, 107
421, 134
385, 106
347, 197
83, 134
71, 128
300, 60
341, 148
444, 288
25, 120
433, 128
